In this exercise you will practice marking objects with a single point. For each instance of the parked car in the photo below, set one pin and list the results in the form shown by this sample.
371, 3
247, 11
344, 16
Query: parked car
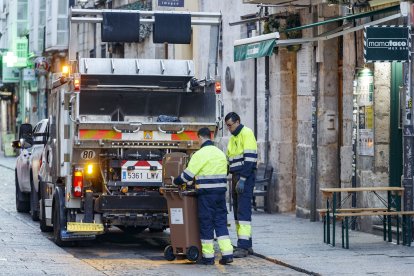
27, 167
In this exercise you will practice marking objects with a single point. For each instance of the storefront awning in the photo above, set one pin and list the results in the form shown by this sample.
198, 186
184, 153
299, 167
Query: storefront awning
255, 47
288, 42
346, 17
262, 45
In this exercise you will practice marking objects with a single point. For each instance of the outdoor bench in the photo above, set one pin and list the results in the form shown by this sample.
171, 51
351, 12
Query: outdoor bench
343, 216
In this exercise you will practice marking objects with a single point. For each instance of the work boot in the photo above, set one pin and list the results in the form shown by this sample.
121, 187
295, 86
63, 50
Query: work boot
204, 261
240, 253
225, 261
249, 250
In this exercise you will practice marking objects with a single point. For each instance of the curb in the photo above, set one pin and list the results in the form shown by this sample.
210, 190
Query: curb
278, 262
6, 167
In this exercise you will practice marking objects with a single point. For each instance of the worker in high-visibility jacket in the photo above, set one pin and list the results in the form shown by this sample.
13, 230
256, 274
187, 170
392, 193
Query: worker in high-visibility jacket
242, 158
208, 168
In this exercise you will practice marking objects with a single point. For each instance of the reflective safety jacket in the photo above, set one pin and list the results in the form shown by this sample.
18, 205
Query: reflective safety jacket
208, 166
242, 151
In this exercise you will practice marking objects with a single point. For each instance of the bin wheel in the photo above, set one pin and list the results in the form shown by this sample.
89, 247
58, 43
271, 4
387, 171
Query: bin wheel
193, 253
169, 253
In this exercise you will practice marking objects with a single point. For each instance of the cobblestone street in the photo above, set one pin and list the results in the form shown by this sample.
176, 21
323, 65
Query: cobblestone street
27, 251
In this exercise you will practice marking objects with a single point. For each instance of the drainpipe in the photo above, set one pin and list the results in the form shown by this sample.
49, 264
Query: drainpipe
255, 98
408, 142
314, 143
267, 95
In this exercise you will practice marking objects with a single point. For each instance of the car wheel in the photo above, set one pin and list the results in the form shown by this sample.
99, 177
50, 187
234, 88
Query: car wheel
22, 204
43, 225
34, 200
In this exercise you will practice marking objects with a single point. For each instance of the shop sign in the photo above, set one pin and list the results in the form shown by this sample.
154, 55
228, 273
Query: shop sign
365, 87
10, 74
171, 3
254, 50
304, 70
28, 74
387, 44
6, 95
366, 142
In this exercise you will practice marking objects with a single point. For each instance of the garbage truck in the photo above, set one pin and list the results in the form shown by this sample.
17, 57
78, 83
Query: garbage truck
111, 122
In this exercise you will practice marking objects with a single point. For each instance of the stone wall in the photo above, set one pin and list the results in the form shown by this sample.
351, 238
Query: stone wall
306, 78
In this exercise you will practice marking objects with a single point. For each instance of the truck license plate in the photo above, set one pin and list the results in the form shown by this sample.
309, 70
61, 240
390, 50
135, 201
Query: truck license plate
151, 171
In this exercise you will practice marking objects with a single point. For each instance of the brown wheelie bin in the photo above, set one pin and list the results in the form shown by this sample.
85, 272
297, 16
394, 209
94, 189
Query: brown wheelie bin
184, 229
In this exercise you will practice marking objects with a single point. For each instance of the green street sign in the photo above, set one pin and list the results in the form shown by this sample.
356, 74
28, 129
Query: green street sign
387, 44
254, 50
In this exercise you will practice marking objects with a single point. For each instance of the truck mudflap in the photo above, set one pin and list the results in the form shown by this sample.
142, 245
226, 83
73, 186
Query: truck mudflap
151, 202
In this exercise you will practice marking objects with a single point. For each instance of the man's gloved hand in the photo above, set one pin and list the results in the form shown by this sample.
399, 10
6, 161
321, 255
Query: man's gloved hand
240, 186
174, 180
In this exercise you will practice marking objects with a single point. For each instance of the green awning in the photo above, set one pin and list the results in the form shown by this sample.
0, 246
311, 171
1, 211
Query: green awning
346, 17
255, 47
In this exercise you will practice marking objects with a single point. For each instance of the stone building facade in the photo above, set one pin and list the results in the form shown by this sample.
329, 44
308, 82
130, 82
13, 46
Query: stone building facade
311, 97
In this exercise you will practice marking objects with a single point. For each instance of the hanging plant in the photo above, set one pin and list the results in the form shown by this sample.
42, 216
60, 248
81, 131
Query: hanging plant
271, 25
293, 21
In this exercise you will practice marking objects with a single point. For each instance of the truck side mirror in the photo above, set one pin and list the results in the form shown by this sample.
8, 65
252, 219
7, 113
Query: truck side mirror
26, 133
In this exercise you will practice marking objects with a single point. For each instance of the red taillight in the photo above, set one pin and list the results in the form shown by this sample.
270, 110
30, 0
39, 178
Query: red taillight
40, 162
76, 83
218, 87
77, 183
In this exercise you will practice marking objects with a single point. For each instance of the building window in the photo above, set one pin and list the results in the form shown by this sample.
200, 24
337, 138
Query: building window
103, 51
22, 10
21, 49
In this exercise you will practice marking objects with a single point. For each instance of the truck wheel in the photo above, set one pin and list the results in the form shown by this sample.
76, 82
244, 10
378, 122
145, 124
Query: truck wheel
34, 201
131, 230
192, 253
156, 230
169, 253
43, 226
58, 223
22, 204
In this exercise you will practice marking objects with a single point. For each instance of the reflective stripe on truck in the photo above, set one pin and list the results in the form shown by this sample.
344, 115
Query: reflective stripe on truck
85, 134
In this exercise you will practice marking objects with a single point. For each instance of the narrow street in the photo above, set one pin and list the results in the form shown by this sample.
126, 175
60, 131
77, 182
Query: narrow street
27, 251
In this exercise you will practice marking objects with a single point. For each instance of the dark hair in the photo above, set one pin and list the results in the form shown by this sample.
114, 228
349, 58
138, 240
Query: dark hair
233, 116
204, 132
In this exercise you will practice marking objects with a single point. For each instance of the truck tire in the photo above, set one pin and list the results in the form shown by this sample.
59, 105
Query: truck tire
131, 230
43, 225
22, 204
34, 200
58, 224
156, 230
